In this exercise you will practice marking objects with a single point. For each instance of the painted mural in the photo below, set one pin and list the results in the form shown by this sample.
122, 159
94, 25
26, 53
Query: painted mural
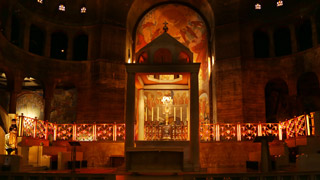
189, 29
63, 106
31, 104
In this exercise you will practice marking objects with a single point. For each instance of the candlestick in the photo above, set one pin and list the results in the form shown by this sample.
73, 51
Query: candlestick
152, 114
181, 114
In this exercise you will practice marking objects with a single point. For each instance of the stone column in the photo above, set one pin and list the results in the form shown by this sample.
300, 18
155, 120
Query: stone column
130, 116
317, 123
141, 115
15, 89
194, 121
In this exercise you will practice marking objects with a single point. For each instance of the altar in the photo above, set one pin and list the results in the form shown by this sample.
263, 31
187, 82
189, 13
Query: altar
162, 108
154, 159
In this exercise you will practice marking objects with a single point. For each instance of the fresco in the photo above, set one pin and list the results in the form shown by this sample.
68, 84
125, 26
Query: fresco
63, 106
31, 104
189, 29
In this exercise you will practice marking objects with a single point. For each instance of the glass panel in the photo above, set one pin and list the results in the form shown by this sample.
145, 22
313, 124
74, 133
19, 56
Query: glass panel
165, 115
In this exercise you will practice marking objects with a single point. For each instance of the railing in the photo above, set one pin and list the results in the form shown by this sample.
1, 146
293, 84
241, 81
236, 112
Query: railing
299, 126
155, 132
35, 128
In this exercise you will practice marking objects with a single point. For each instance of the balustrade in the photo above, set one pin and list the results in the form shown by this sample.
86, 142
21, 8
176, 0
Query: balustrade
154, 131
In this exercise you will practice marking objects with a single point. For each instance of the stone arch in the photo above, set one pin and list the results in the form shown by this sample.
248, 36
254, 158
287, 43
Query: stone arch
139, 9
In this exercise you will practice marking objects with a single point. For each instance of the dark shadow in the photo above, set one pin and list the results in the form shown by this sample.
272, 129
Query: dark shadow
260, 44
282, 42
80, 49
59, 45
37, 38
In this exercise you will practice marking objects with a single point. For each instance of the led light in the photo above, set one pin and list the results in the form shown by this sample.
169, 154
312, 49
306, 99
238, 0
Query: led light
257, 6
279, 3
62, 7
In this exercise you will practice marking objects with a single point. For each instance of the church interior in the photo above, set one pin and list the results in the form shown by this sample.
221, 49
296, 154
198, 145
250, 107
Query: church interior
189, 89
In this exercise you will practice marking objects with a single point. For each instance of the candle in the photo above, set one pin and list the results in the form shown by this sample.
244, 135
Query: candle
152, 114
146, 119
174, 113
180, 113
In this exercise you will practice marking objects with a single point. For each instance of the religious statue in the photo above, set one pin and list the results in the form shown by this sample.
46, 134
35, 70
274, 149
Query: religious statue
11, 139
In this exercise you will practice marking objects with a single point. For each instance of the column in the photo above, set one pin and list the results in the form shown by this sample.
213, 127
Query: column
317, 123
48, 96
194, 121
15, 89
141, 115
130, 116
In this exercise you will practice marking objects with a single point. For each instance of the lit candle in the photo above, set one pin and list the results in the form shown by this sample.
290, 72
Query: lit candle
146, 119
174, 113
180, 113
152, 114
158, 113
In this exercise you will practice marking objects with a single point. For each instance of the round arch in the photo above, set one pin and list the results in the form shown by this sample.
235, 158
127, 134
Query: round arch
139, 9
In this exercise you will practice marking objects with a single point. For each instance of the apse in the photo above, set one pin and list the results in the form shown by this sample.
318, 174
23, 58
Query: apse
186, 26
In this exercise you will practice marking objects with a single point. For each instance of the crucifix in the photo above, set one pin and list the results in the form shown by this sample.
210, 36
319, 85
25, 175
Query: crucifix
165, 28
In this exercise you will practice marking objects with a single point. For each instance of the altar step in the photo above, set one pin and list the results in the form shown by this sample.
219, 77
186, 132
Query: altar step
28, 168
